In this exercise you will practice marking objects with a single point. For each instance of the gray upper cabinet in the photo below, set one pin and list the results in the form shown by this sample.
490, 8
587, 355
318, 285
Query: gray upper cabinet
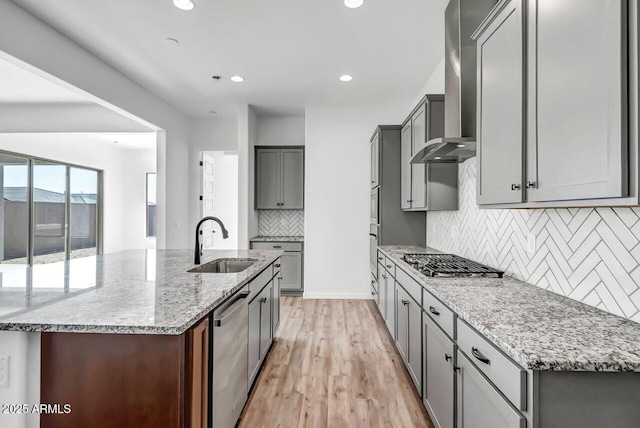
280, 178
268, 172
577, 142
375, 161
560, 137
500, 126
426, 187
406, 167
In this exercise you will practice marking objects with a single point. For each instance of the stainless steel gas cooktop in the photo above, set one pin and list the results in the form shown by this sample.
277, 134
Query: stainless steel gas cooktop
449, 265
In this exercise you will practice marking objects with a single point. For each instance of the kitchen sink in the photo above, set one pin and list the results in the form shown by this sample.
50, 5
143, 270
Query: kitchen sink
224, 266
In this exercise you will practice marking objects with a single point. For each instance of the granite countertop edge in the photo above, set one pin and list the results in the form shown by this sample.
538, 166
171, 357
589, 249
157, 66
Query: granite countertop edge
524, 360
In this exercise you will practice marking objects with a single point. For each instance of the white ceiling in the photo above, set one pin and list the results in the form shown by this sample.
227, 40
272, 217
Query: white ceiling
291, 52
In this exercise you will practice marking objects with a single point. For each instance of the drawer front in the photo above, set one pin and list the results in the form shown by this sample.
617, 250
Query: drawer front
442, 315
390, 266
506, 375
257, 284
409, 284
381, 257
283, 246
375, 293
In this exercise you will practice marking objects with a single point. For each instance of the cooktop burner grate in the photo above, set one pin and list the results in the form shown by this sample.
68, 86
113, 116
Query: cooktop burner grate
445, 265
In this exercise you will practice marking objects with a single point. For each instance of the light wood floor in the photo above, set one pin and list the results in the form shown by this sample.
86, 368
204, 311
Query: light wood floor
333, 365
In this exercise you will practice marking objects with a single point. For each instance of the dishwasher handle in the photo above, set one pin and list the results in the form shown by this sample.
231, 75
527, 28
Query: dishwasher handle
229, 312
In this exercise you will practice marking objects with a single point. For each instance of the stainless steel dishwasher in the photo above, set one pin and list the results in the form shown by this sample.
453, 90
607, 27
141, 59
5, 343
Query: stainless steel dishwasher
229, 360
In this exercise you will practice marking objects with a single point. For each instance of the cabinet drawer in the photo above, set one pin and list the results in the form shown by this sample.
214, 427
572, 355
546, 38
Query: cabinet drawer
506, 375
390, 266
284, 246
443, 316
409, 284
381, 257
374, 284
257, 284
276, 267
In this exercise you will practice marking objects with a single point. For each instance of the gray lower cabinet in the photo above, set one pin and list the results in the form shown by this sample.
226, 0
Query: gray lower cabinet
290, 264
279, 178
501, 100
390, 288
254, 340
409, 334
275, 322
438, 374
266, 328
479, 404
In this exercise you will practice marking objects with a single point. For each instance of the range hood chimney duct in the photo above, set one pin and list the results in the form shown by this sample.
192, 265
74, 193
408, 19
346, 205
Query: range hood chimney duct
462, 18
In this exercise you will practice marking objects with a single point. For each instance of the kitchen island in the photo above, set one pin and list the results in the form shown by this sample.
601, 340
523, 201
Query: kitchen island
126, 337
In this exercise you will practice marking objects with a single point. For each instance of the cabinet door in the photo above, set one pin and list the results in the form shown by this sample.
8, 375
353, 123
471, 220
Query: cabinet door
275, 321
253, 350
266, 330
500, 108
391, 305
405, 167
479, 404
375, 161
414, 348
292, 179
199, 339
291, 271
268, 179
577, 145
402, 323
382, 283
418, 171
438, 374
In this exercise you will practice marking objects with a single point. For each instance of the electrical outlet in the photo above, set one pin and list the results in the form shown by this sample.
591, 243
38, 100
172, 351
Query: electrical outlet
531, 244
4, 371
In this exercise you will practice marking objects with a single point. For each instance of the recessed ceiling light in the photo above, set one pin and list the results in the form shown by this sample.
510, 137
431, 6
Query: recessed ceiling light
352, 4
237, 79
346, 78
437, 158
171, 41
462, 145
184, 4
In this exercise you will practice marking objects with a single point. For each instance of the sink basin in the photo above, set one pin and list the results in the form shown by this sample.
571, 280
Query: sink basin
224, 266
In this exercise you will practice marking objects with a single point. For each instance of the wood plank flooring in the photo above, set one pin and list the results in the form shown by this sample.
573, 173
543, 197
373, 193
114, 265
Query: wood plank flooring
333, 365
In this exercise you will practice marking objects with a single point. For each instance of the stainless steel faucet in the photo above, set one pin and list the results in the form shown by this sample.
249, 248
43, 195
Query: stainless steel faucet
198, 250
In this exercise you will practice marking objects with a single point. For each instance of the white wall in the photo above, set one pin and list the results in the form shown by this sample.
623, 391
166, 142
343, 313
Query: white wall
48, 52
124, 179
337, 195
281, 131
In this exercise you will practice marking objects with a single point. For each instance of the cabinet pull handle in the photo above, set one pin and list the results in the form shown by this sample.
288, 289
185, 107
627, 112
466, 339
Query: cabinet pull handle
263, 300
456, 368
373, 293
479, 356
277, 265
405, 302
447, 357
277, 246
530, 185
280, 278
389, 266
372, 282
384, 276
380, 258
515, 187
433, 310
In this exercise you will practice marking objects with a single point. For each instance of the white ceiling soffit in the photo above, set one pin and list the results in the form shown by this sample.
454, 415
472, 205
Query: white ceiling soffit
290, 52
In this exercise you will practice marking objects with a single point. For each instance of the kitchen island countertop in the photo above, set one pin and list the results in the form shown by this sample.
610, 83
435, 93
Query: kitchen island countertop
129, 292
537, 328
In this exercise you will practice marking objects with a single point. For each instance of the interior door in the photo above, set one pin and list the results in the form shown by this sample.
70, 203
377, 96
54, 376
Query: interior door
292, 179
268, 179
207, 193
405, 167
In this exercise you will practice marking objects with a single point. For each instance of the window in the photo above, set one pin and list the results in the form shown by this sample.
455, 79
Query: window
151, 204
49, 211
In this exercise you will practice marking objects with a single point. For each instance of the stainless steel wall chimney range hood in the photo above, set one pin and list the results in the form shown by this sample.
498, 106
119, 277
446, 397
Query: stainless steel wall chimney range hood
462, 17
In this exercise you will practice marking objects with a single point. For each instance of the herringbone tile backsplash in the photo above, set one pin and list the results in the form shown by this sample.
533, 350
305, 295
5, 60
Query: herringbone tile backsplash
281, 222
589, 254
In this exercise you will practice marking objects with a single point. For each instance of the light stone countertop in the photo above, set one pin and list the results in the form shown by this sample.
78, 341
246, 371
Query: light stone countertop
130, 292
261, 238
537, 328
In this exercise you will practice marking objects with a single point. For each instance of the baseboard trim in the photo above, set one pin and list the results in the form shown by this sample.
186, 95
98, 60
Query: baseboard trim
338, 296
